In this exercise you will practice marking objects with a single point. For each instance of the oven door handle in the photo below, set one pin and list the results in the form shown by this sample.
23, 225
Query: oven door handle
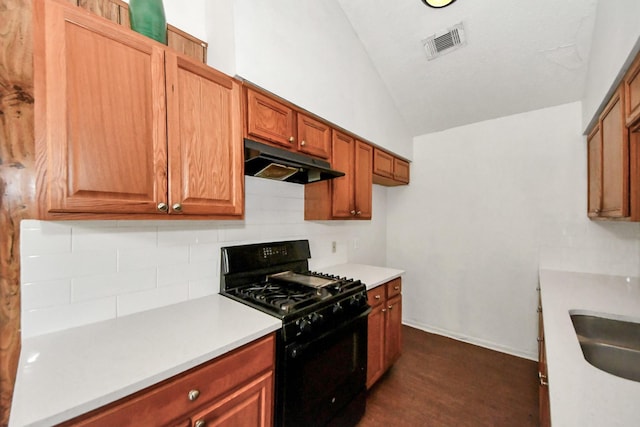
298, 350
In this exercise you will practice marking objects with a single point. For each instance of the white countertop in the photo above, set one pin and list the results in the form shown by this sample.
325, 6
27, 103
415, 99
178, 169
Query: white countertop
580, 394
370, 275
67, 373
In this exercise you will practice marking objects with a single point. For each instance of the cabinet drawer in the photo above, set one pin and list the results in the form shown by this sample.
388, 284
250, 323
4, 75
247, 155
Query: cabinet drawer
375, 296
172, 400
394, 287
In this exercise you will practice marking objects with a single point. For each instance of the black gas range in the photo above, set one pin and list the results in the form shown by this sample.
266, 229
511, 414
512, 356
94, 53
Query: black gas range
321, 352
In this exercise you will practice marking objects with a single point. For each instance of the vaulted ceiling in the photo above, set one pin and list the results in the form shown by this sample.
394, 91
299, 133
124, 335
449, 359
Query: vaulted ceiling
520, 55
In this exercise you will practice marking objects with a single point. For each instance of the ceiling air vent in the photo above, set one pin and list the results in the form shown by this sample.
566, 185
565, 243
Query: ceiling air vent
444, 41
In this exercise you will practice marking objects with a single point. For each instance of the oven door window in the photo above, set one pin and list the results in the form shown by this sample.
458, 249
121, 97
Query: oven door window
322, 376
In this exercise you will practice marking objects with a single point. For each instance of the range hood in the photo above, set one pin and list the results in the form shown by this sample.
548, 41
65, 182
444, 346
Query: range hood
265, 161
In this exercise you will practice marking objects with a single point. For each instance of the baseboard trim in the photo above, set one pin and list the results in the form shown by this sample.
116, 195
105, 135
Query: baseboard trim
471, 340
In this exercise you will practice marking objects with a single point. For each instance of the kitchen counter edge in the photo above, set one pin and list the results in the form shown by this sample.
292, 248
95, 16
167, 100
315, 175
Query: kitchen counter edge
67, 373
581, 394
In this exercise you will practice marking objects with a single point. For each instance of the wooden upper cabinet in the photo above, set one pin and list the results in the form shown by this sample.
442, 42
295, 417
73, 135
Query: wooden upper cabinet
314, 136
632, 95
130, 127
363, 180
105, 116
388, 169
204, 116
615, 159
401, 170
343, 205
382, 163
349, 196
594, 147
270, 119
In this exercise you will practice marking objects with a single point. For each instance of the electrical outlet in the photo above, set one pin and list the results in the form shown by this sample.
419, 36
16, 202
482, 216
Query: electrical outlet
334, 246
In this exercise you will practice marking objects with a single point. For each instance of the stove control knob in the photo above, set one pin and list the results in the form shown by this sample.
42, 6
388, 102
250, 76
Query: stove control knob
303, 325
315, 318
337, 308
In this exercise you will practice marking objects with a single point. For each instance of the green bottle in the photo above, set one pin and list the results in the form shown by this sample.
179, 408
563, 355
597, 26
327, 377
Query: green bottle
147, 17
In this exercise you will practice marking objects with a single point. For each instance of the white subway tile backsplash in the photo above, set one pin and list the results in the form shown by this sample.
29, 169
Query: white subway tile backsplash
147, 300
99, 286
87, 239
141, 265
36, 268
45, 320
203, 287
44, 294
135, 259
37, 242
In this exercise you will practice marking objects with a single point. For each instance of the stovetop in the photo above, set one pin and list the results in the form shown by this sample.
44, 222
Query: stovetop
275, 278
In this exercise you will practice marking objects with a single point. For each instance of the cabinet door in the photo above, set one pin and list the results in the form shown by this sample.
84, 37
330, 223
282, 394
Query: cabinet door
363, 179
314, 137
375, 343
632, 94
205, 139
393, 342
382, 163
615, 159
342, 159
105, 116
269, 119
250, 406
594, 146
400, 170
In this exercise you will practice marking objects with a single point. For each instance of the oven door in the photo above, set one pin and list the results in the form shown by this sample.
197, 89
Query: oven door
322, 380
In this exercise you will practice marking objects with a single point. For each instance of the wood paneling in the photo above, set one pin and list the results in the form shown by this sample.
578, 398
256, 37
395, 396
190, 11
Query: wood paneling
17, 178
382, 163
113, 10
187, 44
401, 170
439, 381
632, 94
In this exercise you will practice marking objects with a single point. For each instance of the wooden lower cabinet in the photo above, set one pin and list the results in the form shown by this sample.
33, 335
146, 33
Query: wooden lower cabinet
233, 390
385, 329
543, 376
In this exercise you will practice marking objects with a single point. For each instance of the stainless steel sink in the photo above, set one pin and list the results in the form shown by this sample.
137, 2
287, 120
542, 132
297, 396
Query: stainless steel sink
609, 344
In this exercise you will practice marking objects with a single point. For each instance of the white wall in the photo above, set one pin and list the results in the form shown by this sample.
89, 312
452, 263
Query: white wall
616, 38
80, 272
487, 204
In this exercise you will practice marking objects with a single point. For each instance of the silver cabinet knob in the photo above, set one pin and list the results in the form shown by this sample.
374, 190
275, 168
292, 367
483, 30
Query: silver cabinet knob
377, 297
177, 207
352, 212
193, 394
359, 213
390, 307
163, 207
200, 423
303, 142
396, 288
291, 139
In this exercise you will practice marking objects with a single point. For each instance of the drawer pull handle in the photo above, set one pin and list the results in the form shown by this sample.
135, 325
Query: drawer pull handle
384, 310
200, 423
377, 297
390, 307
396, 288
193, 394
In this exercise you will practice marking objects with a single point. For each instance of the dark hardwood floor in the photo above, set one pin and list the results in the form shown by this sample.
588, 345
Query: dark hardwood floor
439, 381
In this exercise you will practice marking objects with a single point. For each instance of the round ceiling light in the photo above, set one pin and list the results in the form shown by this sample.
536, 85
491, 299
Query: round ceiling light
438, 3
